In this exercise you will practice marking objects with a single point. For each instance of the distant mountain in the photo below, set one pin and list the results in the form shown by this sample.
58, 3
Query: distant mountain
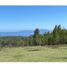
22, 33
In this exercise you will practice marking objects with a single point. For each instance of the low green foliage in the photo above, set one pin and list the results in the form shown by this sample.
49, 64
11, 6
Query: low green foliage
34, 54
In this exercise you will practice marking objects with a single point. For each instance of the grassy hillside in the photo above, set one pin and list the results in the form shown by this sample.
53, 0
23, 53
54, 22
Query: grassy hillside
34, 54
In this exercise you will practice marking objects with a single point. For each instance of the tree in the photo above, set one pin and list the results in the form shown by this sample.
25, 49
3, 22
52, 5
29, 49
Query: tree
36, 37
56, 34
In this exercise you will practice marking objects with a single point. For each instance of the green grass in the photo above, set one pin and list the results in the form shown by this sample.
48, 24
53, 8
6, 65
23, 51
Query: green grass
34, 54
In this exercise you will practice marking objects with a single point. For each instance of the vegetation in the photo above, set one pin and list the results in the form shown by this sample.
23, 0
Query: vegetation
50, 46
56, 37
34, 54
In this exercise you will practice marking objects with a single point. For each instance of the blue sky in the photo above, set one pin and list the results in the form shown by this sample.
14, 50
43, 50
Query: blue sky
14, 18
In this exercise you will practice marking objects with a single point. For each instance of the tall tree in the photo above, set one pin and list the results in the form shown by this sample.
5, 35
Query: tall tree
36, 37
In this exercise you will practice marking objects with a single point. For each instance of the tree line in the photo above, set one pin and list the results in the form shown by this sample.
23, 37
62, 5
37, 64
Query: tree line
55, 37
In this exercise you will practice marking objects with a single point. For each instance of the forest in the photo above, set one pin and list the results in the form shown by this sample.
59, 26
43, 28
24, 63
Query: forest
55, 37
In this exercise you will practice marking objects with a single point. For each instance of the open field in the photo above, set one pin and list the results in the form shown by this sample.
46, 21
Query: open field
34, 54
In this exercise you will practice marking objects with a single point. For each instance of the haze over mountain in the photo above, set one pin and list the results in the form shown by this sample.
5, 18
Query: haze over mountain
22, 33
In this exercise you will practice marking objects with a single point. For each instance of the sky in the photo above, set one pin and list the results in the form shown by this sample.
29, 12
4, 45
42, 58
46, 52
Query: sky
14, 18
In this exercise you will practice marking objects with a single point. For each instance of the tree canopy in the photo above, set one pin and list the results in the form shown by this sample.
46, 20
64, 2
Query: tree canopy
57, 36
